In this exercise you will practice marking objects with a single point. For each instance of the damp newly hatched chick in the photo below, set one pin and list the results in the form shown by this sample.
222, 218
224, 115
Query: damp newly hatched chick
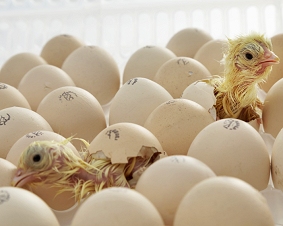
53, 163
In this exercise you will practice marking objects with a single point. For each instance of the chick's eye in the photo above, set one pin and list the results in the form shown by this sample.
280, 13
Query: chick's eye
249, 56
36, 158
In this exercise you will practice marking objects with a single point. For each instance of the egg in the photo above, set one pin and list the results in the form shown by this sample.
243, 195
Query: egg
135, 100
122, 140
73, 111
16, 122
178, 73
166, 181
221, 201
21, 207
58, 48
41, 80
276, 73
232, 147
145, 62
17, 66
95, 70
8, 171
117, 206
10, 96
273, 109
176, 123
186, 42
210, 54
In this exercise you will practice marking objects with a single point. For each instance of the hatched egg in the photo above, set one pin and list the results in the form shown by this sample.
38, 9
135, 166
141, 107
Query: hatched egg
135, 100
95, 70
17, 66
41, 80
8, 171
178, 73
22, 207
16, 122
117, 206
175, 123
146, 61
166, 182
210, 55
58, 48
232, 147
73, 111
222, 201
10, 97
276, 73
186, 42
273, 109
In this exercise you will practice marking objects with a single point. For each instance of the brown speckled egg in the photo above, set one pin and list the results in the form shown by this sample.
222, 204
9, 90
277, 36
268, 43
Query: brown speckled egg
186, 42
117, 206
73, 111
58, 48
176, 123
166, 182
8, 171
210, 55
135, 100
22, 207
178, 73
41, 80
273, 109
145, 62
276, 73
10, 96
219, 201
232, 147
15, 122
17, 66
95, 70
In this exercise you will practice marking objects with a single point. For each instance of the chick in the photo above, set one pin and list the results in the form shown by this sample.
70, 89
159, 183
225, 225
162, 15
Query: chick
53, 163
247, 62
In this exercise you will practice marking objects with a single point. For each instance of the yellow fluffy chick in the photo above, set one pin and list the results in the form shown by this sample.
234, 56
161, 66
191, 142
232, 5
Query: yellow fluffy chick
247, 62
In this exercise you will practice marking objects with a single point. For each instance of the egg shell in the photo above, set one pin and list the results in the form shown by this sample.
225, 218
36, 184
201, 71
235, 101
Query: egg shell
117, 206
276, 161
186, 42
95, 70
276, 73
58, 48
10, 96
273, 109
221, 201
166, 181
210, 54
21, 207
17, 66
41, 80
73, 111
8, 171
15, 122
135, 100
176, 123
145, 62
178, 73
122, 140
232, 147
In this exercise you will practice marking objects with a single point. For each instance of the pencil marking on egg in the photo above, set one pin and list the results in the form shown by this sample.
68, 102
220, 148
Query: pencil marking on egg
132, 81
115, 132
3, 86
4, 120
4, 196
231, 124
68, 96
183, 61
178, 159
34, 134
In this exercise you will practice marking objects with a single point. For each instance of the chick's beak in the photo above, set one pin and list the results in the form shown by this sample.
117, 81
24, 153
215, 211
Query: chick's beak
21, 178
269, 58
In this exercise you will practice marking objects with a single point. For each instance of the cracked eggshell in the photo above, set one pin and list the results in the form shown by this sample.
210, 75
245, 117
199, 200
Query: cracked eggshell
10, 97
8, 171
178, 73
121, 141
176, 123
232, 147
15, 122
41, 80
135, 100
